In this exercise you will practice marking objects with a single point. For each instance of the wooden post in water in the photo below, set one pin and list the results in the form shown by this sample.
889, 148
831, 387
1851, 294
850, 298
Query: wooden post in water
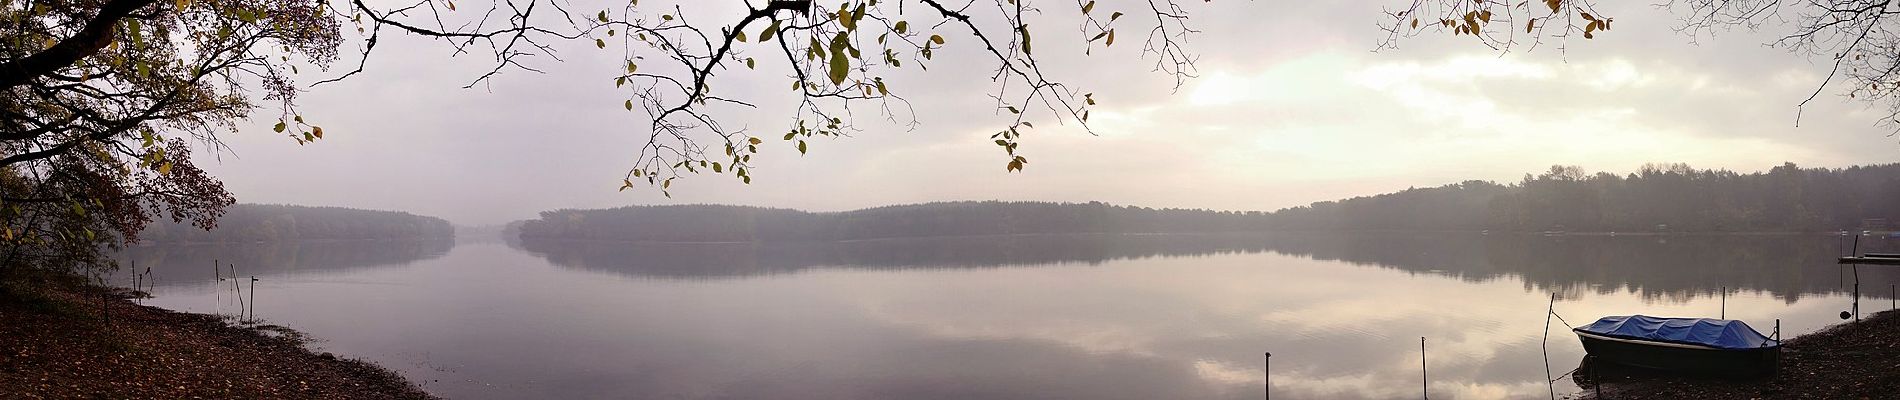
1545, 345
1424, 380
1725, 302
253, 298
240, 294
1266, 371
1856, 292
1596, 380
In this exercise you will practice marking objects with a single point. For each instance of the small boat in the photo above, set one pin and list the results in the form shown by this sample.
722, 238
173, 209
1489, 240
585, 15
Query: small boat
1692, 345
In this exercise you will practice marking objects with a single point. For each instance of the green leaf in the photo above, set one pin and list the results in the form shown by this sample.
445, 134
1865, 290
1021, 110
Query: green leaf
1112, 17
753, 140
844, 18
903, 26
1088, 7
938, 39
801, 147
628, 105
739, 36
1025, 30
769, 32
1111, 38
279, 129
600, 43
602, 16
840, 68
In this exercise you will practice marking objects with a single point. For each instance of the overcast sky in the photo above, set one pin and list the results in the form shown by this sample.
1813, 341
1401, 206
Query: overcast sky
1292, 106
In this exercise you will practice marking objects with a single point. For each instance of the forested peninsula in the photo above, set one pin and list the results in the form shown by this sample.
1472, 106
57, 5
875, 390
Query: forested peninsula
1656, 198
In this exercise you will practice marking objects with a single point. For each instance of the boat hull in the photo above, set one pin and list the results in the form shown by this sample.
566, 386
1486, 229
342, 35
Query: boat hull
1682, 357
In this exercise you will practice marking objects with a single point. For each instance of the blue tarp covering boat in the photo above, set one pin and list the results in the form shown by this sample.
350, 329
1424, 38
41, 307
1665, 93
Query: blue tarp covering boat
1682, 344
1717, 333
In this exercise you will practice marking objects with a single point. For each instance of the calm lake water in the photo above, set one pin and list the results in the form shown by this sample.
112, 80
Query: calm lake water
1044, 317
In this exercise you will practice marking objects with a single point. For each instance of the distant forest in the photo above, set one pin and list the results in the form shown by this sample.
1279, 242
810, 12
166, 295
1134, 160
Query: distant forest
1655, 198
716, 223
274, 223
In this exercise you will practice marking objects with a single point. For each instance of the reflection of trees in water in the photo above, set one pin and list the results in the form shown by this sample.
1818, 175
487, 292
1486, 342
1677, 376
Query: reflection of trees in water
182, 264
715, 260
1667, 268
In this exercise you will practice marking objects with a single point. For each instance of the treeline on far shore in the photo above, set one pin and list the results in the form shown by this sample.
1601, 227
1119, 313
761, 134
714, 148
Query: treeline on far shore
1655, 198
274, 223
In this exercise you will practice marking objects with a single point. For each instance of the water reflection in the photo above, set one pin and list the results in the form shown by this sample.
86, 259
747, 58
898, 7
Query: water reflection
176, 265
1664, 268
1098, 317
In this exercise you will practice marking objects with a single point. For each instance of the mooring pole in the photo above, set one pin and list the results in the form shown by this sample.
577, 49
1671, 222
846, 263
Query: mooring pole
1424, 380
1545, 346
1725, 302
1596, 380
253, 298
240, 294
1856, 292
1266, 371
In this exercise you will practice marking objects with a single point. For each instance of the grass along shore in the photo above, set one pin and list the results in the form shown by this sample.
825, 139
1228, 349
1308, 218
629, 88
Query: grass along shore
62, 338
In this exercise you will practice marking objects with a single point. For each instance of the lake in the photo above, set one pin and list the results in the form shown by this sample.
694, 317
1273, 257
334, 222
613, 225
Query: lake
1041, 317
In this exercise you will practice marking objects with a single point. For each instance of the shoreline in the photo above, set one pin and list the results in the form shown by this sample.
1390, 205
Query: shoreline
55, 342
1853, 360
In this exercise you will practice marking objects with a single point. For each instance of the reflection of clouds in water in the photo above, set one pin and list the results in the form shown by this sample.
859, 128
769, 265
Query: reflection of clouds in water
1337, 331
1332, 335
1116, 327
1220, 372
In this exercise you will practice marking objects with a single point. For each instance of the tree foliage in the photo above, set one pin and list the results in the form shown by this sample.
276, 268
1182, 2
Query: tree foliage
838, 58
1859, 39
105, 99
1657, 197
246, 223
713, 223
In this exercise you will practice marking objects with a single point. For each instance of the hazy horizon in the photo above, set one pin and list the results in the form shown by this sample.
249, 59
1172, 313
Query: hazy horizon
1283, 114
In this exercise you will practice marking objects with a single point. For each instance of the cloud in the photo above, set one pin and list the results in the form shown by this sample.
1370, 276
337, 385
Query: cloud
1290, 107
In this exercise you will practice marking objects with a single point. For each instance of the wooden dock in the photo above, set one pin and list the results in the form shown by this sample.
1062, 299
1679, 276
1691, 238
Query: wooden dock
1872, 259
